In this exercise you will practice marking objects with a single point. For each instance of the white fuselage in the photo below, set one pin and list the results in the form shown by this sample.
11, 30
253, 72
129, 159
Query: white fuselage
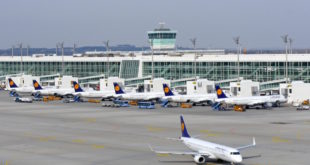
196, 98
23, 90
254, 100
213, 150
55, 91
95, 94
142, 96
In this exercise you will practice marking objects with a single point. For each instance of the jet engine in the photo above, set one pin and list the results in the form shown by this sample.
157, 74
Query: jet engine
199, 159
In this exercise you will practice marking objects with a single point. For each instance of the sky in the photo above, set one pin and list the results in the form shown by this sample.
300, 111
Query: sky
259, 23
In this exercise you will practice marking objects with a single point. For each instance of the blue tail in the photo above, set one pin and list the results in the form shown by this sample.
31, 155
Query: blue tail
167, 90
118, 89
77, 87
219, 92
12, 83
36, 85
183, 128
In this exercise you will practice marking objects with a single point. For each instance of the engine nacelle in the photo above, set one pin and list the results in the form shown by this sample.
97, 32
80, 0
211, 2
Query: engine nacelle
199, 159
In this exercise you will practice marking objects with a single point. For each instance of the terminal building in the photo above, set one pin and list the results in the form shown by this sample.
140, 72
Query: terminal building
168, 63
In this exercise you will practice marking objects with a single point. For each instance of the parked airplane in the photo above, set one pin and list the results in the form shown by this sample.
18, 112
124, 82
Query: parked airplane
249, 101
195, 98
19, 90
63, 92
203, 150
91, 94
136, 96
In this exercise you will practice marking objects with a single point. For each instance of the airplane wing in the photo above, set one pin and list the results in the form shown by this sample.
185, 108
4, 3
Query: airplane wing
178, 152
247, 146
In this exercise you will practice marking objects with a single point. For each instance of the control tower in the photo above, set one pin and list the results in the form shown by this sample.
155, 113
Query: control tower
162, 38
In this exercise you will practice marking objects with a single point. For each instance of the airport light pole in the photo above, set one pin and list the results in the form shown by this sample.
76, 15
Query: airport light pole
237, 42
290, 40
74, 47
62, 58
13, 47
151, 45
193, 41
106, 43
57, 48
21, 58
28, 46
286, 40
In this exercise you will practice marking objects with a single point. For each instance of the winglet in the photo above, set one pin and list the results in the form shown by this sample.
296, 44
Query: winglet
150, 147
167, 90
254, 142
219, 92
77, 87
118, 89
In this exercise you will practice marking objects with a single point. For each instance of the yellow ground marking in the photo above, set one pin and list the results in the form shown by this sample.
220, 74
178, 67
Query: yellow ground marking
209, 133
163, 155
154, 129
47, 138
90, 120
276, 139
95, 146
79, 141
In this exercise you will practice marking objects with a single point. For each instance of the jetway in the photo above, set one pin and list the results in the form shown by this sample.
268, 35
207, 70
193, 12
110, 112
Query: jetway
134, 82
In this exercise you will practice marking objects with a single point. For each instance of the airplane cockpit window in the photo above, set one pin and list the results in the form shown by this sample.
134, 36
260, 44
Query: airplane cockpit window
235, 153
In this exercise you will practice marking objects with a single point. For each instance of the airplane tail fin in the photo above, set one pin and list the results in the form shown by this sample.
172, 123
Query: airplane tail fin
118, 89
12, 83
77, 87
183, 128
36, 85
167, 90
219, 92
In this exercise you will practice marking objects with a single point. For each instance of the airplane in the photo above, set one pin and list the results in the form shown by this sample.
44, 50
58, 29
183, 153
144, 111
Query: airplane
48, 91
91, 94
136, 96
249, 101
14, 89
195, 98
202, 150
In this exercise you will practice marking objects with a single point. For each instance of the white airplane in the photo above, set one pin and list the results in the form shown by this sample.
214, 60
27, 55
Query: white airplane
195, 99
249, 101
19, 90
63, 92
136, 96
91, 94
203, 150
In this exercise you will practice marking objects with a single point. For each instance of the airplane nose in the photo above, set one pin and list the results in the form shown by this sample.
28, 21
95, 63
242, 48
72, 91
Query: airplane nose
239, 159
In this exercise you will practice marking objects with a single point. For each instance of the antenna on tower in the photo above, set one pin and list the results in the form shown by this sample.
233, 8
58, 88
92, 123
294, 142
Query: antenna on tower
161, 25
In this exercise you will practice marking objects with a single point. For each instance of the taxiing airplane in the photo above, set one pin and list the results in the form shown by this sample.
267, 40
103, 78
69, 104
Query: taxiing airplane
91, 94
203, 150
19, 90
63, 92
249, 101
136, 96
195, 98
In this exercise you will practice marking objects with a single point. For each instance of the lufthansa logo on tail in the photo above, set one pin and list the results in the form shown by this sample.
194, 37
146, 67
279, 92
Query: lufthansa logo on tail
166, 90
11, 83
182, 126
76, 86
219, 92
36, 85
117, 88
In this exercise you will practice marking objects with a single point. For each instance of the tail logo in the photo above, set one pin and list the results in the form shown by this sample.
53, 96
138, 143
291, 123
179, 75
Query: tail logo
11, 83
76, 86
182, 127
166, 90
36, 84
219, 92
116, 88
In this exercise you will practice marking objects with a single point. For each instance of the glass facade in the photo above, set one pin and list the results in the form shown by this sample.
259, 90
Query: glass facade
256, 71
76, 69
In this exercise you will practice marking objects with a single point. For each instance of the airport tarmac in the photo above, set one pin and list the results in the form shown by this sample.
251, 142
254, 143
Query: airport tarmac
88, 134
